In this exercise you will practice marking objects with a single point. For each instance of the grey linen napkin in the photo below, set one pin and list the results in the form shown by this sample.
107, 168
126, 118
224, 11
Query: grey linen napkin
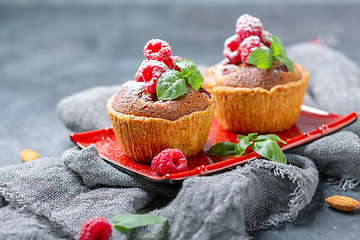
49, 198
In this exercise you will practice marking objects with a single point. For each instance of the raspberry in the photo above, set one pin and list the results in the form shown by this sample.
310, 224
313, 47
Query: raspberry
171, 63
247, 25
248, 46
149, 72
95, 228
265, 38
169, 161
232, 50
157, 49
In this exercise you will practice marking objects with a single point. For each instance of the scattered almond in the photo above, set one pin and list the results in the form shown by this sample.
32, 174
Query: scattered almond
28, 155
342, 203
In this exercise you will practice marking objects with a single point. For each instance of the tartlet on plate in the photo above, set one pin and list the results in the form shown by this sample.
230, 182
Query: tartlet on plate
257, 88
147, 119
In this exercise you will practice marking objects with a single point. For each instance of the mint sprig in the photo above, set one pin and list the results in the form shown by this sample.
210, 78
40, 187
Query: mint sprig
265, 145
264, 57
172, 83
126, 222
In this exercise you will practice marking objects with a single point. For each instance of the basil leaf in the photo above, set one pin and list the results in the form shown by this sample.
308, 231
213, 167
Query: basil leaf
269, 149
191, 73
222, 149
241, 146
170, 85
286, 61
261, 58
276, 45
268, 136
125, 222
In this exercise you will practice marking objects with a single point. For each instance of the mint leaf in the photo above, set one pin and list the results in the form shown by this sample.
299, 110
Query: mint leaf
170, 85
261, 58
286, 61
269, 136
242, 145
125, 222
269, 149
276, 45
222, 149
191, 73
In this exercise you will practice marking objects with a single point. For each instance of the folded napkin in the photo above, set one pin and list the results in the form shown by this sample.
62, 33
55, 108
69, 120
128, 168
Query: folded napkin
49, 198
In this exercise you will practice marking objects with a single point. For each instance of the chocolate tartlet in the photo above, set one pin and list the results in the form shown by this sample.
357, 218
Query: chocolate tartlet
250, 99
144, 126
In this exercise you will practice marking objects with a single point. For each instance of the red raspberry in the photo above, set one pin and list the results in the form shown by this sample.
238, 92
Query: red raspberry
95, 228
149, 72
157, 49
171, 63
169, 161
248, 46
265, 38
247, 25
232, 50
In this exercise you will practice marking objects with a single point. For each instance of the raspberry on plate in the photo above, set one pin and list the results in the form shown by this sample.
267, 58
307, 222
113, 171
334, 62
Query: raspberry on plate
232, 50
149, 72
169, 161
157, 49
248, 46
247, 25
95, 228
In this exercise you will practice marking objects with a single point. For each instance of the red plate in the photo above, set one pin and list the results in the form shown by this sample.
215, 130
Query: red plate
312, 124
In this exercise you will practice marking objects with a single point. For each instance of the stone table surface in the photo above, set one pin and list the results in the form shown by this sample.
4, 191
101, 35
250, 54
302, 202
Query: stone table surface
52, 50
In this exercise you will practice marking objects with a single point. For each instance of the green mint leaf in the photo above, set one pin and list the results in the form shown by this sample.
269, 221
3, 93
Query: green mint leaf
170, 85
269, 149
251, 136
286, 61
276, 45
191, 73
222, 149
261, 58
242, 145
268, 136
125, 222
239, 137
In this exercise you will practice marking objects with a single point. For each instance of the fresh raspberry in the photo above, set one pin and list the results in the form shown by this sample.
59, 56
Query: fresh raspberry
248, 46
169, 161
95, 228
157, 49
149, 72
232, 50
247, 25
265, 38
171, 63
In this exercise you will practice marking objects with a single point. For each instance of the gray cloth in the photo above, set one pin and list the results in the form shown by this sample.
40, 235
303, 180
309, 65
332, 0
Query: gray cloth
49, 198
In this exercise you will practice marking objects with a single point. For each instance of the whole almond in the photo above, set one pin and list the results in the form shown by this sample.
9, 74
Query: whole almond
342, 203
28, 155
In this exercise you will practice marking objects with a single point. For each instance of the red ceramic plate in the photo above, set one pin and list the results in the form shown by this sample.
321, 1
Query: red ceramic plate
312, 124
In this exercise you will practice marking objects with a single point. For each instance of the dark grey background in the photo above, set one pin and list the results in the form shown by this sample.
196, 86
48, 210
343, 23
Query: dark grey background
51, 49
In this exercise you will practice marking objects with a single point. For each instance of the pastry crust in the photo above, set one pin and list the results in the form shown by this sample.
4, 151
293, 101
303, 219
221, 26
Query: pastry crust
142, 138
257, 110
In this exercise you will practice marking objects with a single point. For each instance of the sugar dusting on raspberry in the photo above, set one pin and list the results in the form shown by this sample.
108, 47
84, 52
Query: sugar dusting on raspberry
149, 72
171, 63
95, 229
157, 49
169, 161
232, 50
248, 45
247, 25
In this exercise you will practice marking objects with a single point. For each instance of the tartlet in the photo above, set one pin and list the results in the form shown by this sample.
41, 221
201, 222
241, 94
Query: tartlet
257, 89
145, 125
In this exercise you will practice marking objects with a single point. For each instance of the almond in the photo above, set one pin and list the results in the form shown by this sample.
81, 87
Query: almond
28, 155
342, 203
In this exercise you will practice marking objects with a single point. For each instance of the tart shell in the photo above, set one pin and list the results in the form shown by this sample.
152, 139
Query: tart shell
257, 110
142, 138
